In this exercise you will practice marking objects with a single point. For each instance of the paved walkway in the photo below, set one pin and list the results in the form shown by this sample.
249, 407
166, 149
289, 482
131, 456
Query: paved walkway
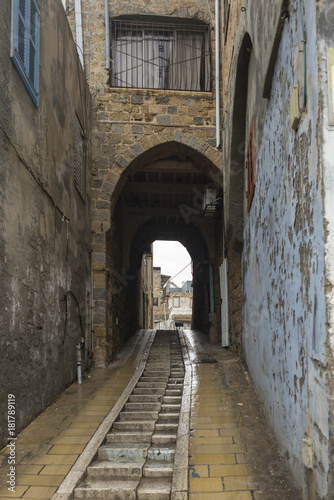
233, 454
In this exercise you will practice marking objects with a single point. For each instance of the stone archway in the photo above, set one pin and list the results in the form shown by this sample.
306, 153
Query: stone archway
185, 164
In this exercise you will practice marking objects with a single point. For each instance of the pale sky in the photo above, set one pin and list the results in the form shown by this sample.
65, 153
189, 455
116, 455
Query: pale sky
171, 256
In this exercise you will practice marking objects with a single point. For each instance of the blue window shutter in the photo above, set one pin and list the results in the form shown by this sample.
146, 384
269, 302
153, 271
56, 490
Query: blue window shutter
24, 52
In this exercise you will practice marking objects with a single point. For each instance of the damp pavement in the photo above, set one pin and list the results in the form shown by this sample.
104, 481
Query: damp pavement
230, 450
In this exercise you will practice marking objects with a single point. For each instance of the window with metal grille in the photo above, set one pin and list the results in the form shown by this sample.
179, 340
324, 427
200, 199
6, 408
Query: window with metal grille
160, 55
24, 50
79, 158
250, 166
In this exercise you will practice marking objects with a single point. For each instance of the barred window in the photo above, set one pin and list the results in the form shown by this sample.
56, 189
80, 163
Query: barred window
79, 158
24, 49
160, 55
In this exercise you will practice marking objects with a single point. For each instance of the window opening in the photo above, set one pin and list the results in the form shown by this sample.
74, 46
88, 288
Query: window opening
160, 56
24, 49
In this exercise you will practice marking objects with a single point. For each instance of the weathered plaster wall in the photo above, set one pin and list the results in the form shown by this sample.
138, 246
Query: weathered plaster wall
325, 25
45, 223
284, 309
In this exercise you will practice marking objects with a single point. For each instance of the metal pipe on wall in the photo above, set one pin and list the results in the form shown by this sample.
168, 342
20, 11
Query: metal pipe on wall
217, 73
78, 29
106, 15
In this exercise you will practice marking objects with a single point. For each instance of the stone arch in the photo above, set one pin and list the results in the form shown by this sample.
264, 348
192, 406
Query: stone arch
151, 148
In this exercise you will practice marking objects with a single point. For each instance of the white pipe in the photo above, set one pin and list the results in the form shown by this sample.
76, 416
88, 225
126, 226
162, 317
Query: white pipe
217, 73
106, 14
78, 29
79, 368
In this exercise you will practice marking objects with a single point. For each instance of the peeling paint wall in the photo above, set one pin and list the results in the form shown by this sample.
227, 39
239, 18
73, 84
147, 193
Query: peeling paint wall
45, 221
285, 338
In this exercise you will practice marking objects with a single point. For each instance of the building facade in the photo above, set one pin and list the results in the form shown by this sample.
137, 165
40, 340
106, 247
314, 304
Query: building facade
45, 128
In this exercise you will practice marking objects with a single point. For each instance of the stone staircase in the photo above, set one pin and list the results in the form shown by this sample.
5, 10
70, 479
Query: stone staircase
136, 460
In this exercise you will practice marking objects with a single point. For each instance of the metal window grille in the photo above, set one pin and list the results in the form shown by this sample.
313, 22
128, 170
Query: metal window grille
160, 56
79, 158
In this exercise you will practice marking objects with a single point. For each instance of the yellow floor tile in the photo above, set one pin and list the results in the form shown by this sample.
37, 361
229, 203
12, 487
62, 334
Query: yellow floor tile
216, 448
50, 459
212, 440
208, 459
55, 470
28, 469
231, 470
38, 480
70, 440
233, 495
78, 432
19, 490
66, 449
199, 471
239, 483
37, 492
205, 433
205, 485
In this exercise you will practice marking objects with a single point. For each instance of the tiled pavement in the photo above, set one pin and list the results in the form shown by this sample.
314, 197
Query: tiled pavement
233, 454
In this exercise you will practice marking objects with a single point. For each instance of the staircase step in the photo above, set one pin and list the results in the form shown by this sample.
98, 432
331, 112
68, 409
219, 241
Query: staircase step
125, 451
138, 415
102, 489
164, 453
169, 416
145, 398
166, 426
170, 408
150, 406
151, 488
149, 390
136, 425
157, 468
164, 438
129, 437
107, 469
172, 399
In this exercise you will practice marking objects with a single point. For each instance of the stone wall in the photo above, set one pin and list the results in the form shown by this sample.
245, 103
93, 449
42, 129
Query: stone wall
45, 221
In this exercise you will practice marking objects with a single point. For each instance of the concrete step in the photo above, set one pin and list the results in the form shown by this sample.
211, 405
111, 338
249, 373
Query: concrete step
151, 488
166, 426
173, 392
153, 378
169, 416
145, 398
129, 437
106, 489
107, 469
135, 425
157, 391
165, 453
143, 406
138, 415
172, 399
170, 408
123, 452
151, 385
163, 438
157, 468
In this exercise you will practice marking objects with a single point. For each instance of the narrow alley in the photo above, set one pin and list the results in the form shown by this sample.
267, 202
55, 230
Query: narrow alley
214, 443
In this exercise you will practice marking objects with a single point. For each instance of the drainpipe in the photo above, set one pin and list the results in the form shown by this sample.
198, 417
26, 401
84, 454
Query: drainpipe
217, 74
212, 303
106, 15
78, 29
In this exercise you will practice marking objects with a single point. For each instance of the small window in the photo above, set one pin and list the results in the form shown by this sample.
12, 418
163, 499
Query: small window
155, 301
160, 55
24, 49
176, 301
79, 158
250, 166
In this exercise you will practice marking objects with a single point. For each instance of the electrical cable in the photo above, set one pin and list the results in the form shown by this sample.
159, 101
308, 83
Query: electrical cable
66, 310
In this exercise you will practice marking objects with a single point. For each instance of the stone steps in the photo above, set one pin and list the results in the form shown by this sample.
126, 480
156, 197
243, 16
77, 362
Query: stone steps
136, 460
